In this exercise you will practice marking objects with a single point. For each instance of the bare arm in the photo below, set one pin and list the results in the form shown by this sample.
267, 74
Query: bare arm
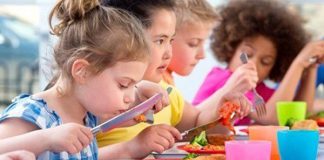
115, 151
20, 135
307, 87
318, 106
289, 84
156, 138
190, 117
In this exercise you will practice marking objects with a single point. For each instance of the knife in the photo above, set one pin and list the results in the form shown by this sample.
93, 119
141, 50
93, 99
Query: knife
189, 134
128, 115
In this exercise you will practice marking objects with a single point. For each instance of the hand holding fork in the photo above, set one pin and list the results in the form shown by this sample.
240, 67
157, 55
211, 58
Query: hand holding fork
258, 102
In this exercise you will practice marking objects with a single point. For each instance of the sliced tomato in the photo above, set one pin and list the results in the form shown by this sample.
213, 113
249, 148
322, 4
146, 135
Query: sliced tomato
320, 122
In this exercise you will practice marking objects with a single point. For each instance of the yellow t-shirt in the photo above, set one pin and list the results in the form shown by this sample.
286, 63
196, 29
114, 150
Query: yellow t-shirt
170, 115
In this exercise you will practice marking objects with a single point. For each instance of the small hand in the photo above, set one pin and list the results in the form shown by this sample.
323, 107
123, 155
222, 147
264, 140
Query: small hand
243, 79
156, 138
146, 89
311, 50
238, 99
70, 137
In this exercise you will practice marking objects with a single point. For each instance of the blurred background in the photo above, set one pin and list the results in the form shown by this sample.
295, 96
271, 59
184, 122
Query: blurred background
26, 46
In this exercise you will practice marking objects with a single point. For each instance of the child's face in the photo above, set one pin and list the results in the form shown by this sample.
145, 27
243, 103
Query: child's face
188, 47
261, 51
112, 91
161, 34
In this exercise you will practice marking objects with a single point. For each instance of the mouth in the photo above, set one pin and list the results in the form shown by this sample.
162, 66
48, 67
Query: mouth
162, 67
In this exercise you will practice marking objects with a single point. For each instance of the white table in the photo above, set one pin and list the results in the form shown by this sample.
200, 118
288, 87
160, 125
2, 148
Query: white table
320, 155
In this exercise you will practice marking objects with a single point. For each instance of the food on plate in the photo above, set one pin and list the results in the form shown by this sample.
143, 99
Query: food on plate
193, 156
305, 124
199, 140
227, 109
218, 139
211, 157
140, 118
200, 144
290, 122
319, 118
190, 156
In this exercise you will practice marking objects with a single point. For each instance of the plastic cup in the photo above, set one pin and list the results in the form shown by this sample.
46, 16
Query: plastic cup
247, 150
290, 110
298, 144
268, 133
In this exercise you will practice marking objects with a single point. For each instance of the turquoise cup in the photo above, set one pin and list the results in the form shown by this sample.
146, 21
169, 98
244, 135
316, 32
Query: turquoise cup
298, 144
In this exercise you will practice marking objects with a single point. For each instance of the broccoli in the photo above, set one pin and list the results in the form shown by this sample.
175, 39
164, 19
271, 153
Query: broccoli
190, 156
290, 122
200, 140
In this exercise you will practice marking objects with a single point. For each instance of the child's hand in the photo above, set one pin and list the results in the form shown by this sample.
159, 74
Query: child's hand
241, 100
146, 89
18, 155
70, 137
243, 79
312, 49
157, 138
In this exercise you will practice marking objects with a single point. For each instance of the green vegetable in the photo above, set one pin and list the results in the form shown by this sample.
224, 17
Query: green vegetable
190, 156
290, 122
200, 140
320, 114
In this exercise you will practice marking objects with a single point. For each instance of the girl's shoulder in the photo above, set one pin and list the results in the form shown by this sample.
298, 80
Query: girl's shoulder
31, 109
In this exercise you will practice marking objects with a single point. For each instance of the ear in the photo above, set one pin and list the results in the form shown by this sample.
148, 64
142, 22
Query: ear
79, 70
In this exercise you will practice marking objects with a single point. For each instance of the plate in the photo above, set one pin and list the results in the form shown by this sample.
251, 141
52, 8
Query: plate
172, 153
182, 147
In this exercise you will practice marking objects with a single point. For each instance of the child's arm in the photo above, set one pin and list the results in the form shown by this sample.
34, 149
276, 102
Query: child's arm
242, 80
156, 138
209, 109
18, 155
288, 86
22, 135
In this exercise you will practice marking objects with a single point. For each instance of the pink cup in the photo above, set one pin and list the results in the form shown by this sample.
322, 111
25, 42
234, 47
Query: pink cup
248, 150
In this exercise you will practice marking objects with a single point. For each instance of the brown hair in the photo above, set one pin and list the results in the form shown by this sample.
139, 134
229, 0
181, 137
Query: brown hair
193, 11
243, 19
141, 9
101, 35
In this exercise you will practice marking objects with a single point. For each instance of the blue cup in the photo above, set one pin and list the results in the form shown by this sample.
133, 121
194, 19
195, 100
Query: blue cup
298, 144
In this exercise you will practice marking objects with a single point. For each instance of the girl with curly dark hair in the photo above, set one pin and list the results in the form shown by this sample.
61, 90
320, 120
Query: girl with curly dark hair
276, 44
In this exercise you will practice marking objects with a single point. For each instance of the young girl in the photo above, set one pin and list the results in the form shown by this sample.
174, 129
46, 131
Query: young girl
195, 20
273, 38
159, 20
97, 78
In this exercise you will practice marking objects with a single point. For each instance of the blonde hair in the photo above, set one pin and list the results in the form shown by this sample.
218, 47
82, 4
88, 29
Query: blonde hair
101, 35
193, 11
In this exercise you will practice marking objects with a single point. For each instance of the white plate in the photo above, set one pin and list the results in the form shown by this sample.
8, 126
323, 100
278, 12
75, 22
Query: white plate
171, 153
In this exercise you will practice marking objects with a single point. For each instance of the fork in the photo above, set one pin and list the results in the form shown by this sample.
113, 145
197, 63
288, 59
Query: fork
258, 102
149, 114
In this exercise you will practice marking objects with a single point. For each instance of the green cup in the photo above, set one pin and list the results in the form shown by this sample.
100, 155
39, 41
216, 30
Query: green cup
290, 110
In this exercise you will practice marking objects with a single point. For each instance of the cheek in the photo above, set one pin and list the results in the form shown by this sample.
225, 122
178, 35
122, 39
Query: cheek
263, 72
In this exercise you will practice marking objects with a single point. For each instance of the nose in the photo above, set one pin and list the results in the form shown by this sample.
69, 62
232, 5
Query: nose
129, 97
168, 52
201, 53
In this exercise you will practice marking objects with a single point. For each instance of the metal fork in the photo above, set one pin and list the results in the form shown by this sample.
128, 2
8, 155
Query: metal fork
149, 115
258, 102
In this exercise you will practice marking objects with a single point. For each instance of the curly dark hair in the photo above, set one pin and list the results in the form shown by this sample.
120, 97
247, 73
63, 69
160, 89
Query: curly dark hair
142, 9
243, 19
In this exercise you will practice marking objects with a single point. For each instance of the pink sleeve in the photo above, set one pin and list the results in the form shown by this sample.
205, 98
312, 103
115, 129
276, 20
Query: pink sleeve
211, 84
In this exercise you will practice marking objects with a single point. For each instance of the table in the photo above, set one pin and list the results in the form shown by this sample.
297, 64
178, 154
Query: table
320, 155
176, 154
